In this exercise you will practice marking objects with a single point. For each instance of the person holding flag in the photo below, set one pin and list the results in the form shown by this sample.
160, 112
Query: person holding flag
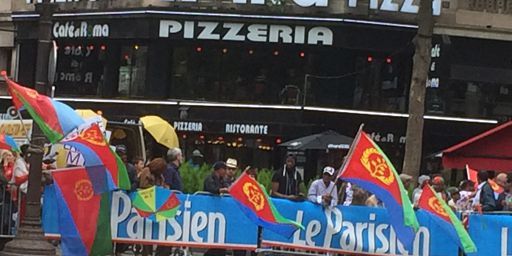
323, 191
368, 167
484, 200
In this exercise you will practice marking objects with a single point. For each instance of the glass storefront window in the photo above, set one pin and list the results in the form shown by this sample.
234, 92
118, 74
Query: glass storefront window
79, 68
331, 77
237, 74
471, 99
132, 71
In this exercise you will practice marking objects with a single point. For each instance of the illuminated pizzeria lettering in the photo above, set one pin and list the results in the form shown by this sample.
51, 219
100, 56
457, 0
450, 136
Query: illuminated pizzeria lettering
407, 6
231, 31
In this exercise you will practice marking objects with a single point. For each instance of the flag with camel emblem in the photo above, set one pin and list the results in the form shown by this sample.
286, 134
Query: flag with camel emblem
368, 167
257, 206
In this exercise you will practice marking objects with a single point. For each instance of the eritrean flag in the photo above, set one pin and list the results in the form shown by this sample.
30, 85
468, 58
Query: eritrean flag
495, 187
441, 214
472, 175
368, 167
257, 206
7, 142
105, 168
84, 217
55, 119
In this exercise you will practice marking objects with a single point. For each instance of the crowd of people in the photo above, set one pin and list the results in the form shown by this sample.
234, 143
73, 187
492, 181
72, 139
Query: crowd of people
13, 187
490, 193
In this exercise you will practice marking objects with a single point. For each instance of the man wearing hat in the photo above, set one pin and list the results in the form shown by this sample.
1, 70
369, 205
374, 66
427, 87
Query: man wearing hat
423, 180
231, 165
122, 151
197, 159
214, 183
323, 191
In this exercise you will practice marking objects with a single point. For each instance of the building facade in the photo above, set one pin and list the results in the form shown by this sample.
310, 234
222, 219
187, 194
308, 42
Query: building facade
7, 50
239, 77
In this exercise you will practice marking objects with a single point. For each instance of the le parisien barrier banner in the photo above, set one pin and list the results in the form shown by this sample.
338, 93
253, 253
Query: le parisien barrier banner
492, 234
211, 221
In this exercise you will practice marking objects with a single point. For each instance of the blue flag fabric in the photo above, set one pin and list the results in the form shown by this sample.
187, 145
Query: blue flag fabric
101, 179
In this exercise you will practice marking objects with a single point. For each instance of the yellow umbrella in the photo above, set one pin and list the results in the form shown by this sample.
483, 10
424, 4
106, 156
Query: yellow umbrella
161, 130
89, 113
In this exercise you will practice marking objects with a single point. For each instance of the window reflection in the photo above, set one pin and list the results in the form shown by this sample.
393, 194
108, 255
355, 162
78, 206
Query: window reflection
132, 71
236, 74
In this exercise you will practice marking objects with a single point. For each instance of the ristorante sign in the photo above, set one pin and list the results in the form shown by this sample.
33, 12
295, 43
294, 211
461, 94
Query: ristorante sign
233, 31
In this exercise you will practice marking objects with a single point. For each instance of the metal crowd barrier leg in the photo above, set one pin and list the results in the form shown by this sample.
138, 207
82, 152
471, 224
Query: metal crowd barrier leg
18, 219
2, 210
9, 225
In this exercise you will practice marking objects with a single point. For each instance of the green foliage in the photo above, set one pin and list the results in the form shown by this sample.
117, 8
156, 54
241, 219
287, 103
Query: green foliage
193, 178
264, 177
303, 187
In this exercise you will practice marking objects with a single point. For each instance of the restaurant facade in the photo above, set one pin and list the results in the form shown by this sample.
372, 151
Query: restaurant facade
238, 78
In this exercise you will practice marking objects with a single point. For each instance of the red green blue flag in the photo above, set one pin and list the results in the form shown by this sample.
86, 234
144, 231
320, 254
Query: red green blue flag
495, 187
55, 118
368, 167
155, 203
257, 206
443, 215
105, 167
7, 142
472, 175
84, 217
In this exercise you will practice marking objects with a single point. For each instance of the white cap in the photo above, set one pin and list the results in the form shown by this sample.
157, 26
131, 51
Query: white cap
231, 163
329, 170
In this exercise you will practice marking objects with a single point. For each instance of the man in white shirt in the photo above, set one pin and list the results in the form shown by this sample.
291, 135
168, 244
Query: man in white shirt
323, 191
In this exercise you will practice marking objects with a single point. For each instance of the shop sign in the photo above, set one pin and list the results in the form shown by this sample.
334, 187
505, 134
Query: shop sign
435, 54
79, 30
338, 146
387, 138
130, 121
232, 31
188, 126
407, 6
259, 129
16, 128
58, 1
79, 70
10, 114
204, 221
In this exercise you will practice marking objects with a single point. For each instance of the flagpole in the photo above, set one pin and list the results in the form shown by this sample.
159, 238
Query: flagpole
29, 239
349, 155
23, 125
260, 232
